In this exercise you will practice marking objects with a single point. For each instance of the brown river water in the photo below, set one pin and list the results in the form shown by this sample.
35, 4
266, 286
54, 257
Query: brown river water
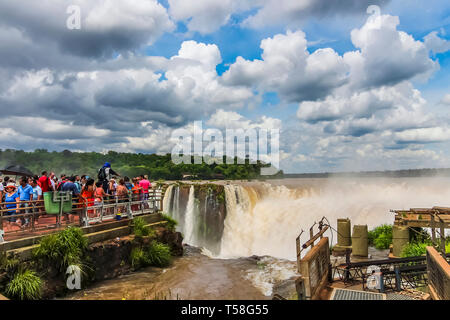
197, 277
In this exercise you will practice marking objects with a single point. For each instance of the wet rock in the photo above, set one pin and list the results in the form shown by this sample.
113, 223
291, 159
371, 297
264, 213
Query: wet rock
285, 289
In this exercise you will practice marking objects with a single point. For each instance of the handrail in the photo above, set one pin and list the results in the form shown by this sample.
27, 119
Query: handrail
131, 205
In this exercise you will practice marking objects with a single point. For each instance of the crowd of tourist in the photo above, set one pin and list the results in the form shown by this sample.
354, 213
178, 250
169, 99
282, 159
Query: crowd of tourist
20, 199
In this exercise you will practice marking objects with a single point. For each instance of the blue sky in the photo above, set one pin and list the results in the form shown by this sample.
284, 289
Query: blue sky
349, 91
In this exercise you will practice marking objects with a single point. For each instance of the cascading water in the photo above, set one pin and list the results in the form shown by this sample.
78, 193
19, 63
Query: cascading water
269, 225
167, 200
264, 219
189, 222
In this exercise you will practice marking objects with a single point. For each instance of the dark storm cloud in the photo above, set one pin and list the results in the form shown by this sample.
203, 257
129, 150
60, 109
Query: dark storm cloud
104, 30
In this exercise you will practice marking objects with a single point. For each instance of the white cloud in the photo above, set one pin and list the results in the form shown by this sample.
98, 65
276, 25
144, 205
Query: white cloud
204, 16
288, 68
435, 43
423, 135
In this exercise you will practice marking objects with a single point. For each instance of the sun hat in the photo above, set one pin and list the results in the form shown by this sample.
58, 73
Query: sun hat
10, 185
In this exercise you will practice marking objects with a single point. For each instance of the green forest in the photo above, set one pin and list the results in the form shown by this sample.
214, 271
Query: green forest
126, 164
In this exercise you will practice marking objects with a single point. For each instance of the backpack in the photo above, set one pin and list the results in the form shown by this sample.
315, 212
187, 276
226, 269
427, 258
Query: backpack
101, 174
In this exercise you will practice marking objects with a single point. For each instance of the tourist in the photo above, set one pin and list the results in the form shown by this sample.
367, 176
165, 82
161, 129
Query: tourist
136, 190
145, 185
122, 195
112, 187
1, 192
45, 182
83, 180
37, 195
25, 192
128, 184
62, 181
70, 186
78, 183
12, 200
87, 194
105, 174
99, 194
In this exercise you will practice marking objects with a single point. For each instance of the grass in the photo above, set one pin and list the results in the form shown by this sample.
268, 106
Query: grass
8, 264
171, 222
381, 237
137, 258
140, 228
63, 249
25, 285
156, 254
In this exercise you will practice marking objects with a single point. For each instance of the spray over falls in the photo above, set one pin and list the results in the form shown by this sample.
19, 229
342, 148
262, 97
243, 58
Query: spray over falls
244, 218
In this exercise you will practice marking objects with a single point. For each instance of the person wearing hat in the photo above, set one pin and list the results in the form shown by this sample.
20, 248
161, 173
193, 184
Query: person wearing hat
104, 176
12, 200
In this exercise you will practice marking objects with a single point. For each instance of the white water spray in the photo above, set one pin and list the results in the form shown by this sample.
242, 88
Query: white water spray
189, 223
268, 225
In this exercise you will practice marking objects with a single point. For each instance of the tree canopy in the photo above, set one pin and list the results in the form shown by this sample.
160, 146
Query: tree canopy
129, 164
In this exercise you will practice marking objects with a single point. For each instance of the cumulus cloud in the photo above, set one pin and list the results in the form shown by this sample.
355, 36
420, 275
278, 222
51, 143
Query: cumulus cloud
107, 26
386, 56
293, 13
118, 100
204, 16
289, 69
435, 43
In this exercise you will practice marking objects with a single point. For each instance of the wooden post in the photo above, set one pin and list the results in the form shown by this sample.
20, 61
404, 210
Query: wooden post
311, 236
442, 232
432, 226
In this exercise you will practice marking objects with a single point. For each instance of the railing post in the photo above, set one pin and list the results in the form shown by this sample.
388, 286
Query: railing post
1, 228
130, 213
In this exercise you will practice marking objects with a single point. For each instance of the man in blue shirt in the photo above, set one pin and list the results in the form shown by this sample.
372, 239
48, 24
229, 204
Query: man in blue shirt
25, 192
70, 186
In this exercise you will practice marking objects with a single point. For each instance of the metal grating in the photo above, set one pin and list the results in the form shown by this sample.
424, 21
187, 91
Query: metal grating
396, 296
345, 294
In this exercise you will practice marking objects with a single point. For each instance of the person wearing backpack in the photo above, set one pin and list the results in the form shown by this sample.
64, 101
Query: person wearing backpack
104, 175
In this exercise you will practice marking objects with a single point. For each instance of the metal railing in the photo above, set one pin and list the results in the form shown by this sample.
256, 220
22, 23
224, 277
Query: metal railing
84, 212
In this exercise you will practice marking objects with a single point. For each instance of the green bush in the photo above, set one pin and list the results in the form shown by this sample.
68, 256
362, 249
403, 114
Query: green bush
63, 249
140, 228
137, 258
414, 249
171, 222
381, 236
25, 285
158, 254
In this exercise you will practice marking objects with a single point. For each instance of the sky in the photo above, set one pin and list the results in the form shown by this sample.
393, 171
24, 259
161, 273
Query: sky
352, 85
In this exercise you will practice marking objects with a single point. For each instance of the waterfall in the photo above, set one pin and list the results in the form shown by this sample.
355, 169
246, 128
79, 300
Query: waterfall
189, 222
167, 201
265, 218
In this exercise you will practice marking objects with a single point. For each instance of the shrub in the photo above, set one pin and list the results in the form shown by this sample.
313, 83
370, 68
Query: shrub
25, 285
158, 254
381, 237
137, 258
63, 249
414, 249
140, 228
171, 222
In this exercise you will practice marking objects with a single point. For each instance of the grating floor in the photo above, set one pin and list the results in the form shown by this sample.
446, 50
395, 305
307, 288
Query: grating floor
395, 296
345, 294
